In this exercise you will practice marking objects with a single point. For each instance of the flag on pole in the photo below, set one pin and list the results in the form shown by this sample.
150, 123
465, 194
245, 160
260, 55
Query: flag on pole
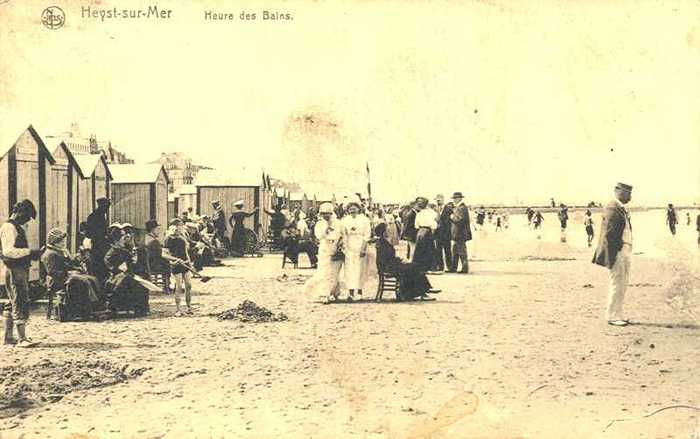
369, 185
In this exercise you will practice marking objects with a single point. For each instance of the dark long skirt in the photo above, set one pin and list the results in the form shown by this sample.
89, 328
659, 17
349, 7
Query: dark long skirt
414, 282
425, 250
238, 240
125, 293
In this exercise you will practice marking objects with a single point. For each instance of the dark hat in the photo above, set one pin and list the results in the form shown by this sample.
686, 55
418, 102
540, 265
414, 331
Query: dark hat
25, 206
175, 222
216, 203
623, 186
151, 224
457, 195
102, 200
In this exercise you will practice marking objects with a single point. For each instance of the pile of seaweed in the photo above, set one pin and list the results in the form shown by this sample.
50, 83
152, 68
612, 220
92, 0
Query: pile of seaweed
29, 385
250, 312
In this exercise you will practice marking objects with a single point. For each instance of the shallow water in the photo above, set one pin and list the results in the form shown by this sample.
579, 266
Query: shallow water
651, 235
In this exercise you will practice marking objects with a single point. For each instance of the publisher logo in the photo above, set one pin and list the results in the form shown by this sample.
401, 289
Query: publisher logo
53, 17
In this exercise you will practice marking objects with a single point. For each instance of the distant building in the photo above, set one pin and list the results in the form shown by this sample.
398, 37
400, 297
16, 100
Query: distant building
77, 143
180, 169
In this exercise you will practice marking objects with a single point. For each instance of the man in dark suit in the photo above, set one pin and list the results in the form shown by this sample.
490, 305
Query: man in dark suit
615, 251
97, 232
409, 231
460, 233
442, 235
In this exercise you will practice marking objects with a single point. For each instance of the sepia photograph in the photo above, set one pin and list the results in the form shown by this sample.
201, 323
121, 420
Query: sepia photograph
350, 219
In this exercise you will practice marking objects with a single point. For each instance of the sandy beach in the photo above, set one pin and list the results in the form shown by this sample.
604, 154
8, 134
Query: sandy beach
518, 348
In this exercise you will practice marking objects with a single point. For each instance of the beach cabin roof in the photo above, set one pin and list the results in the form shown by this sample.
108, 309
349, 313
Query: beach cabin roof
10, 136
87, 163
133, 173
240, 177
69, 154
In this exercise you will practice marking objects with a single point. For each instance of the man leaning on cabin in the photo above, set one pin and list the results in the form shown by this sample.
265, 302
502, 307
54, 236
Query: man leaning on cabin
16, 258
97, 233
615, 251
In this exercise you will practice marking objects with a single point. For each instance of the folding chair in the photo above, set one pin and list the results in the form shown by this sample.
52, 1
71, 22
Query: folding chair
388, 282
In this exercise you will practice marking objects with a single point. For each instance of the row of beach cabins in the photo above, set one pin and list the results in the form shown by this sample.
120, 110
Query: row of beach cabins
64, 186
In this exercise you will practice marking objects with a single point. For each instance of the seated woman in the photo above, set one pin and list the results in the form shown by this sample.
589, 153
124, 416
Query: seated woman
124, 291
63, 273
413, 282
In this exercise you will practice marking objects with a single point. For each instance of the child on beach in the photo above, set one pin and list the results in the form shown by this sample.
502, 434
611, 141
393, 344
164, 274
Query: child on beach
175, 249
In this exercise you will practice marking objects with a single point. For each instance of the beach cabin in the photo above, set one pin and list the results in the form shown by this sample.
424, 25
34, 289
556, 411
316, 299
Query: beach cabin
229, 188
267, 197
172, 206
279, 196
139, 193
95, 182
25, 169
298, 200
64, 184
186, 198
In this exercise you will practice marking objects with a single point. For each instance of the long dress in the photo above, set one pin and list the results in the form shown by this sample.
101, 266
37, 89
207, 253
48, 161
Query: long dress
414, 283
325, 282
356, 234
238, 234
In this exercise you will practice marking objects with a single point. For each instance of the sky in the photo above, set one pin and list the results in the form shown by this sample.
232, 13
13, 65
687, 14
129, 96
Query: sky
507, 102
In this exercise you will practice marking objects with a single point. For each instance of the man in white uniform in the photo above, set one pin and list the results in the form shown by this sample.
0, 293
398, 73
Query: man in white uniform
615, 251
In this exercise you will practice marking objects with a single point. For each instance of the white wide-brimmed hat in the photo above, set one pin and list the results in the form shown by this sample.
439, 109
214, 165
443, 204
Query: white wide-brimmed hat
325, 208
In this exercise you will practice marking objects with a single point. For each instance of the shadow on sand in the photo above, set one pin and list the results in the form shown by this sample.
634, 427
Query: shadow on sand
389, 302
667, 325
88, 346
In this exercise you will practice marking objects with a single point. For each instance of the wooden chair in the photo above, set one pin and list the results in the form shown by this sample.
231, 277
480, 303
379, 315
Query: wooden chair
162, 279
388, 282
285, 258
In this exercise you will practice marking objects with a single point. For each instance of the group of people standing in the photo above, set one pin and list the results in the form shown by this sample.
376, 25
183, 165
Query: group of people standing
437, 234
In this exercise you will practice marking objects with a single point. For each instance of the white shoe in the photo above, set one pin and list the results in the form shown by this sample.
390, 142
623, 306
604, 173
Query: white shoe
618, 322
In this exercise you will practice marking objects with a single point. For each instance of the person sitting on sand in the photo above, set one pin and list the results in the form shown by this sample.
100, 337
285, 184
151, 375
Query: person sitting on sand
414, 283
294, 244
63, 272
124, 291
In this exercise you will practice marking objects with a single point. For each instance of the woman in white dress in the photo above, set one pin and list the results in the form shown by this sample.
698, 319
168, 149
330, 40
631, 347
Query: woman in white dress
328, 232
356, 234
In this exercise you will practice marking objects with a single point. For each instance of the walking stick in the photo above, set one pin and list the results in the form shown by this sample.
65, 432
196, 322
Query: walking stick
203, 279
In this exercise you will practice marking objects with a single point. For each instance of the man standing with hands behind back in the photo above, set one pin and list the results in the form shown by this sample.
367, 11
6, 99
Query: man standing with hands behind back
17, 257
460, 233
615, 251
